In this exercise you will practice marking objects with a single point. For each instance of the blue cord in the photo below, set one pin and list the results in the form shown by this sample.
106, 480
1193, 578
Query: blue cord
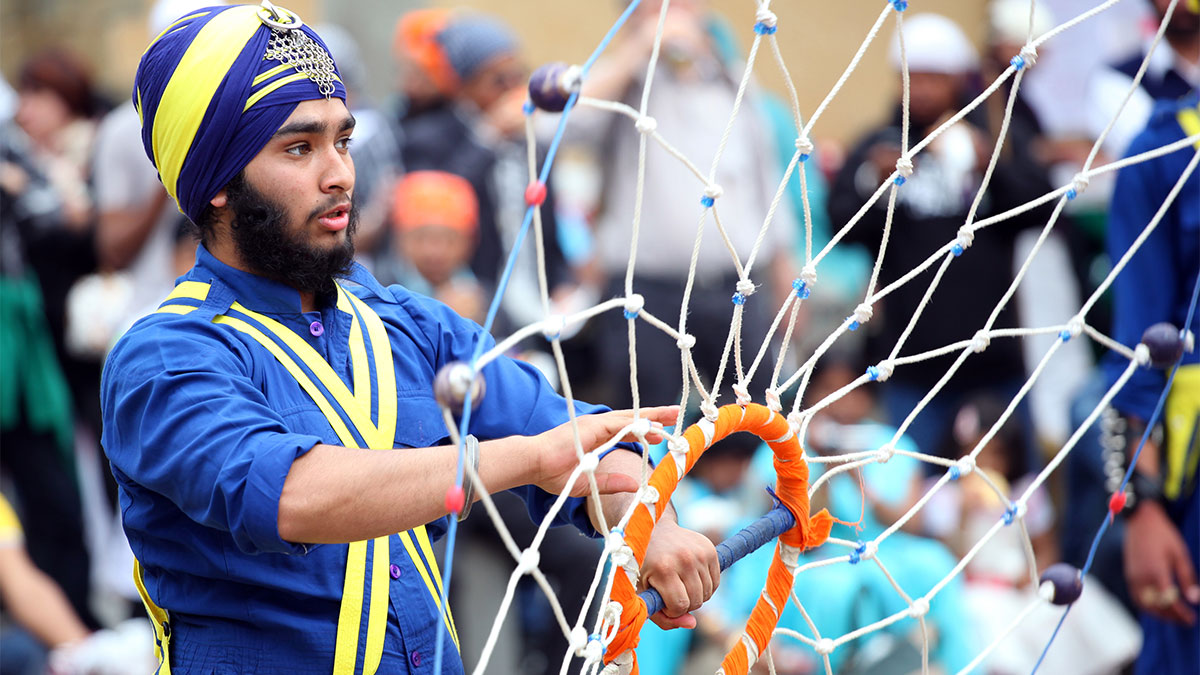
494, 309
1162, 399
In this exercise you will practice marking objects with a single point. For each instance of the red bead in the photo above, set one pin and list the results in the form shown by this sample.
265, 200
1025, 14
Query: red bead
535, 194
455, 499
1116, 503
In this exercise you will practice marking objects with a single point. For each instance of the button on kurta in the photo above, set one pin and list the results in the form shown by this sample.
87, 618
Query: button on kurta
415, 657
316, 329
395, 570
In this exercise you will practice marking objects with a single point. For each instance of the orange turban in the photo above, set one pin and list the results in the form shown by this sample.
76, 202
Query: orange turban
434, 198
416, 41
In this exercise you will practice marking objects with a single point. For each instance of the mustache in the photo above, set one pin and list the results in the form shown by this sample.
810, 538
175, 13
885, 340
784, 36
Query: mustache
333, 202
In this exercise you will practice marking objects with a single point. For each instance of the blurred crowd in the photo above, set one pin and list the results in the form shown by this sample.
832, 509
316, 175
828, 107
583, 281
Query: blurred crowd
91, 242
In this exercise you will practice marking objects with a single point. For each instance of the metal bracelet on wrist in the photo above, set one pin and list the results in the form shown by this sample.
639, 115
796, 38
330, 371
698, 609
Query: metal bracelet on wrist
1118, 438
472, 457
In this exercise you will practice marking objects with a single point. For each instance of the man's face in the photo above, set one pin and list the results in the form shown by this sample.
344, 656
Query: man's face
932, 96
436, 251
292, 212
494, 80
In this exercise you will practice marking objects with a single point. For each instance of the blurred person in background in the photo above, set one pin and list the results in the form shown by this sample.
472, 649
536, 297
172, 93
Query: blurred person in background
42, 630
45, 228
1173, 71
426, 79
1000, 586
1162, 520
436, 220
691, 98
1051, 288
931, 206
480, 136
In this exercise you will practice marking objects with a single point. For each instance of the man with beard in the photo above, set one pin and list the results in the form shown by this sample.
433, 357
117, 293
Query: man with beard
247, 421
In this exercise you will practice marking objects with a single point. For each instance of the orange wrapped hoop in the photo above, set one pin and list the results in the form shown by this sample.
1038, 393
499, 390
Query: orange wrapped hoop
792, 490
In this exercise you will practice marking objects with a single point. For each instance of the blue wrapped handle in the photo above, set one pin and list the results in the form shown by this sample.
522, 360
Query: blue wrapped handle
772, 524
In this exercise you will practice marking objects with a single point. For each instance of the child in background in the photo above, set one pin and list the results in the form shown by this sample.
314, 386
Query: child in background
436, 219
1097, 637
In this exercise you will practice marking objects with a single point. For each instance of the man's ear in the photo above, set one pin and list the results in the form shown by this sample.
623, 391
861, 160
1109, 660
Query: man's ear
220, 199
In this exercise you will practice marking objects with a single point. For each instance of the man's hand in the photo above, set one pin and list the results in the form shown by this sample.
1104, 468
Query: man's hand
682, 566
1160, 574
557, 458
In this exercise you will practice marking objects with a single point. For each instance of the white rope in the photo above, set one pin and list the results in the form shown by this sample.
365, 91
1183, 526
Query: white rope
553, 327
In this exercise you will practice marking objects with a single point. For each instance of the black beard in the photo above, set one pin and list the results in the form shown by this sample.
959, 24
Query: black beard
266, 245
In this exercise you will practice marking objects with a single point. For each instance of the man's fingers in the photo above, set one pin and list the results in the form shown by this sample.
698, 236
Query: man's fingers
1186, 576
675, 596
687, 621
607, 483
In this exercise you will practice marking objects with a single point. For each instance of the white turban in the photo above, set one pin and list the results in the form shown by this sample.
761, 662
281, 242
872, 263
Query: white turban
934, 44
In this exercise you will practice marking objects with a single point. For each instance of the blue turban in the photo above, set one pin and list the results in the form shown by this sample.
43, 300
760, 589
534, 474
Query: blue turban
472, 40
209, 99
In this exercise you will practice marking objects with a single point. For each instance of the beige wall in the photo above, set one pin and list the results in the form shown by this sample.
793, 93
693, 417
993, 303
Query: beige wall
818, 40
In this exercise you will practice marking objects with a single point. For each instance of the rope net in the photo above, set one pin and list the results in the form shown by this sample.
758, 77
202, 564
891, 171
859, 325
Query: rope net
605, 643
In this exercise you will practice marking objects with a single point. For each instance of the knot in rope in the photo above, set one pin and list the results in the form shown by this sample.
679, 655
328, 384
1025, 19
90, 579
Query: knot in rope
962, 467
746, 287
578, 640
1075, 326
805, 146
886, 453
1141, 353
869, 550
808, 275
640, 427
572, 79
553, 326
795, 420
981, 341
882, 371
713, 191
530, 558
743, 394
1078, 184
863, 313
677, 445
919, 608
614, 541
766, 17
686, 342
824, 646
649, 495
772, 397
633, 305
1028, 56
710, 411
646, 124
594, 651
966, 237
904, 166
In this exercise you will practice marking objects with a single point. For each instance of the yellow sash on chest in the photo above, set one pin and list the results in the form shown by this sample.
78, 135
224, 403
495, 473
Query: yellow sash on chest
345, 410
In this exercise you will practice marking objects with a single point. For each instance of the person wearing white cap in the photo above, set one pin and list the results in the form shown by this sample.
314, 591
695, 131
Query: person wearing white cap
932, 202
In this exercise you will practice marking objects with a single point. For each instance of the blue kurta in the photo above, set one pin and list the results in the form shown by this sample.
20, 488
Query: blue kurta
1157, 286
202, 424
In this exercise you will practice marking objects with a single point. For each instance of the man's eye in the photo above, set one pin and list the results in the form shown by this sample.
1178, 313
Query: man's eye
344, 143
298, 150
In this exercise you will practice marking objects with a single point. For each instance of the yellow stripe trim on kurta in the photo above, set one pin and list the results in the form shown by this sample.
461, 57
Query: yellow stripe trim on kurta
406, 538
1189, 119
158, 616
190, 90
1180, 417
